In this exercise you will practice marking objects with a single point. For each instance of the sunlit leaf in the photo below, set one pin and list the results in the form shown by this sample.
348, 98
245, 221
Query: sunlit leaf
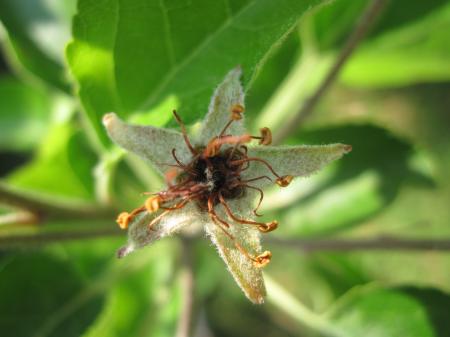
63, 165
417, 53
24, 114
131, 55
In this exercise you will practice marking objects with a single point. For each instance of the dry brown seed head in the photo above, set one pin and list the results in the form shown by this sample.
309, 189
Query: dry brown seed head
266, 136
284, 180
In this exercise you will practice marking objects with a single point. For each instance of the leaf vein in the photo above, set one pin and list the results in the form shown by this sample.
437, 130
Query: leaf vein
167, 34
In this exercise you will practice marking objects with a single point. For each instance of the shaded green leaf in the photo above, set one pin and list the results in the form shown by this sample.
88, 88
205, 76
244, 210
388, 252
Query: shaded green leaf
35, 289
369, 177
376, 312
145, 302
38, 31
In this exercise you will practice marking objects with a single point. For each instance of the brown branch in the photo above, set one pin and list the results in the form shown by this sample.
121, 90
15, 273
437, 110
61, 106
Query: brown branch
17, 218
363, 25
9, 241
185, 320
50, 208
381, 243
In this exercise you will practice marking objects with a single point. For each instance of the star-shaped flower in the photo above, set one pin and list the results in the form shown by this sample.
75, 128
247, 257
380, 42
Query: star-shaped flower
213, 179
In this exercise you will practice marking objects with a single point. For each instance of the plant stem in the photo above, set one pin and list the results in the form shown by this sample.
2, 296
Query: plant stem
286, 302
380, 243
363, 25
187, 287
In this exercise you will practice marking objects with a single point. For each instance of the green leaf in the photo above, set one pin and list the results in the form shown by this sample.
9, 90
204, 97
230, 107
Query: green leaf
343, 15
376, 312
419, 52
24, 114
129, 56
369, 177
143, 299
62, 166
38, 31
35, 290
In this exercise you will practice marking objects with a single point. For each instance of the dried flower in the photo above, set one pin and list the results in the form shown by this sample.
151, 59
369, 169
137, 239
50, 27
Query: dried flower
213, 179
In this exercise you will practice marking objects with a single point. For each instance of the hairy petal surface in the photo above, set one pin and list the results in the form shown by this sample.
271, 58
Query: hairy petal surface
247, 276
148, 142
140, 236
228, 94
297, 161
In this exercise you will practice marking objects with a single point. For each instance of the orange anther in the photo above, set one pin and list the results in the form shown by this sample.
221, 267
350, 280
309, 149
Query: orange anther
266, 136
123, 219
268, 227
236, 112
152, 204
284, 180
263, 259
347, 148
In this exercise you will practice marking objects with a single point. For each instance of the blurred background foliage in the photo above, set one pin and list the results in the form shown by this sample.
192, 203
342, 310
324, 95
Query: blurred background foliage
65, 63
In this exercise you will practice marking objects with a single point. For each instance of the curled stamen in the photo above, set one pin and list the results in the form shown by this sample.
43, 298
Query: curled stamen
183, 130
257, 178
177, 206
261, 194
268, 227
176, 159
215, 217
259, 261
248, 159
239, 220
225, 128
213, 147
166, 211
157, 219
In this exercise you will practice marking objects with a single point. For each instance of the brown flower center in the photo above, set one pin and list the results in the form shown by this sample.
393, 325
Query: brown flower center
213, 176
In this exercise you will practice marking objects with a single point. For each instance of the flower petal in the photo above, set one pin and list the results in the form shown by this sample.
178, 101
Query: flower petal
148, 142
297, 161
227, 95
246, 275
139, 235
